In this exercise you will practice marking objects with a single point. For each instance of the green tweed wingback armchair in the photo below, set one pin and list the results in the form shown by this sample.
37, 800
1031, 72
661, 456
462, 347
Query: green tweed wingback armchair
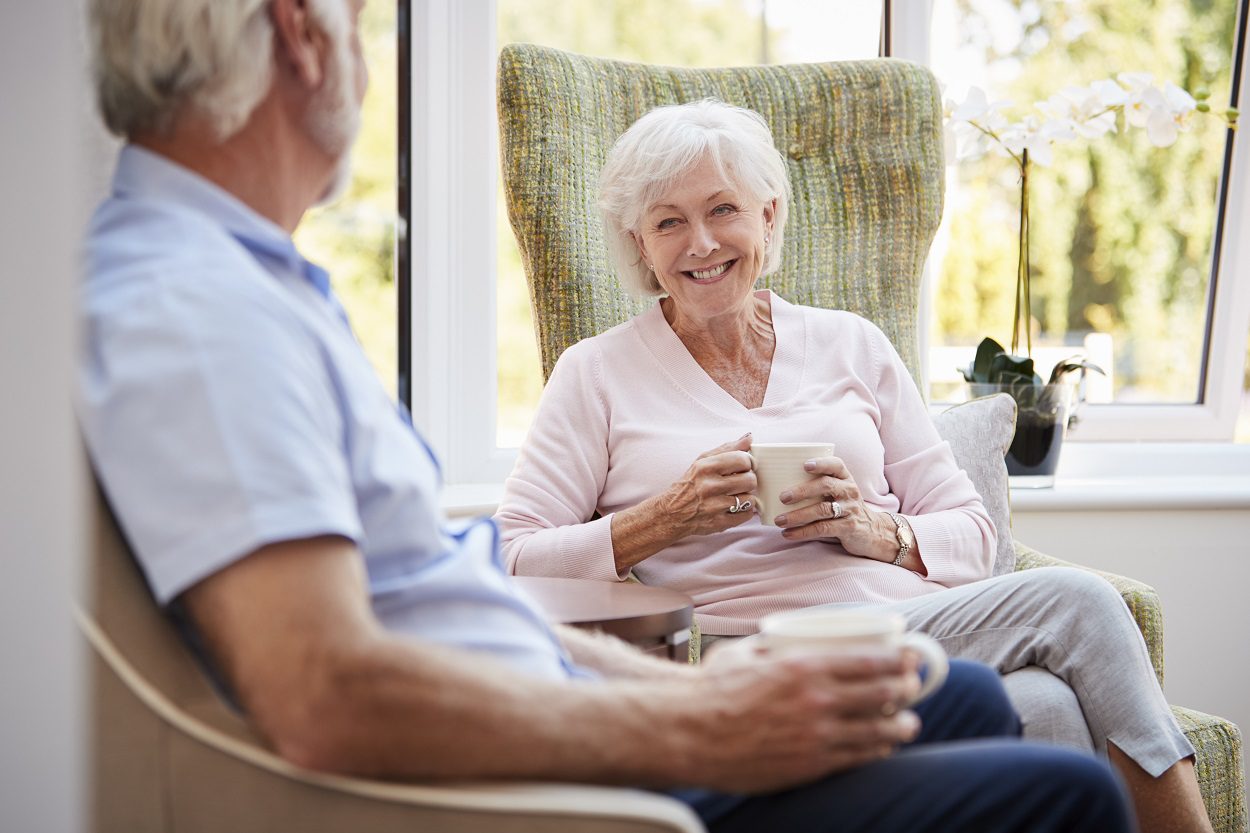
863, 143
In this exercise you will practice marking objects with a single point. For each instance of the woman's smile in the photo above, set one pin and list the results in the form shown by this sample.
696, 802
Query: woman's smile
711, 274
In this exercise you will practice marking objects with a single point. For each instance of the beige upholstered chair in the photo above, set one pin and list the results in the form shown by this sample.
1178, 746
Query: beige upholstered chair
863, 146
170, 755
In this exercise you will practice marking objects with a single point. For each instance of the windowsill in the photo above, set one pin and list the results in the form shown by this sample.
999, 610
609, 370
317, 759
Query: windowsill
1095, 477
470, 499
1092, 477
1103, 494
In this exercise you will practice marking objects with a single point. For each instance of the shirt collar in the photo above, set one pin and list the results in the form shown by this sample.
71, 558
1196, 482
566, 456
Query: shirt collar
144, 174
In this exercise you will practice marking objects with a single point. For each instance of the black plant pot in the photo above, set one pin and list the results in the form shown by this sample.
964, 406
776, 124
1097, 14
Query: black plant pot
1042, 413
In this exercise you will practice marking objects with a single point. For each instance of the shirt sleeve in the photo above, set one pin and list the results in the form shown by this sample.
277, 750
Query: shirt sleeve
545, 517
954, 533
211, 421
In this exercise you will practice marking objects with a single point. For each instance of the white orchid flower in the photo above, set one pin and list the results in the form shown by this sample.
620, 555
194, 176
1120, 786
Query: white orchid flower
1065, 104
1170, 112
1088, 111
976, 124
1037, 137
1161, 129
1096, 127
970, 142
1136, 81
1179, 102
978, 109
1142, 102
972, 124
974, 105
1108, 93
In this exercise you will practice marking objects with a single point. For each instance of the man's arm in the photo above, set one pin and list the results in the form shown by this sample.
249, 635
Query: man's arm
291, 628
616, 658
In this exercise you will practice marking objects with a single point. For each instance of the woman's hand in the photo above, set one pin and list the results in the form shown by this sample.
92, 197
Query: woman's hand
861, 531
699, 503
717, 481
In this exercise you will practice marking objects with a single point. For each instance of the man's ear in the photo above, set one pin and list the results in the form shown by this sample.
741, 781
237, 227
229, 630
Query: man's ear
299, 43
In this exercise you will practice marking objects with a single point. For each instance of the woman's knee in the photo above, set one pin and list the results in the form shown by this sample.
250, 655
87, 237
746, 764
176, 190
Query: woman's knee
1080, 588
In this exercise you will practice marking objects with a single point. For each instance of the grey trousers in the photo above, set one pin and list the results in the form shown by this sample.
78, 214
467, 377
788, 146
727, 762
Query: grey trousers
1074, 663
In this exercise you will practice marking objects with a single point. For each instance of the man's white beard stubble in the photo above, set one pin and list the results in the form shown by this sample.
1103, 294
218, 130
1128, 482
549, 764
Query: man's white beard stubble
334, 118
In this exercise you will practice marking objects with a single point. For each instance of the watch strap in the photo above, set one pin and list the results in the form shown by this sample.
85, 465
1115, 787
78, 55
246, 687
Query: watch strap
903, 546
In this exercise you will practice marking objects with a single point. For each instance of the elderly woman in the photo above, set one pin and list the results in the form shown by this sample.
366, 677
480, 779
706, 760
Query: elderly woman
694, 200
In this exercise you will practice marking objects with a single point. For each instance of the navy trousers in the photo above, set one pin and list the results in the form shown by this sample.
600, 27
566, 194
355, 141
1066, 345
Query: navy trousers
966, 771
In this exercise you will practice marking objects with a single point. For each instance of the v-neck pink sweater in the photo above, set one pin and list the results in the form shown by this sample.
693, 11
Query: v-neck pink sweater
625, 413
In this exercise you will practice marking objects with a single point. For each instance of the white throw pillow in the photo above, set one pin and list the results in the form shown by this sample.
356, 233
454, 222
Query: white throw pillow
979, 433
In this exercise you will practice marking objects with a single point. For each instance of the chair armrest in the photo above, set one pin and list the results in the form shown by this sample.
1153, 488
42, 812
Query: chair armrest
1218, 767
1142, 599
208, 771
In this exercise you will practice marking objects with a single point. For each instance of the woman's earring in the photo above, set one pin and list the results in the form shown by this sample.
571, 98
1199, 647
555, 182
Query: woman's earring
651, 266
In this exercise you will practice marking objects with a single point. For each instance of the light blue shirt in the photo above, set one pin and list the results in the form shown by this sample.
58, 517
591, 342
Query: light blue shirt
226, 406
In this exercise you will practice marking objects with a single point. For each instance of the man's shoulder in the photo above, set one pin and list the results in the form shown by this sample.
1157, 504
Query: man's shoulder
134, 238
148, 256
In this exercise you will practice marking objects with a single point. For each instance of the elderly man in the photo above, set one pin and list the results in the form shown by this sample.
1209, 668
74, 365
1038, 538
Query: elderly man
281, 503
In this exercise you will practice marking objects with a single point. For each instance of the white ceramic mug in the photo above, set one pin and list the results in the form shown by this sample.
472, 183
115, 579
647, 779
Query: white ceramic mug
852, 631
778, 467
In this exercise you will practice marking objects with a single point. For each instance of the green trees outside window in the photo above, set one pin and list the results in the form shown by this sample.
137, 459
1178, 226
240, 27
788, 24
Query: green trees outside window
1121, 232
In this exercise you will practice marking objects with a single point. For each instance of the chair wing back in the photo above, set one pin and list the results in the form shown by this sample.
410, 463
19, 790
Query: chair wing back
862, 142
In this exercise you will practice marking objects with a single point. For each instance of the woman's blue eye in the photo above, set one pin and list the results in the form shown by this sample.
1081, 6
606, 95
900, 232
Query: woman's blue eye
666, 223
723, 209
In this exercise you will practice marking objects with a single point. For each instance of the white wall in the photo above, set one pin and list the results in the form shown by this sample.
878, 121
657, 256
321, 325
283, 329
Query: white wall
42, 87
1199, 561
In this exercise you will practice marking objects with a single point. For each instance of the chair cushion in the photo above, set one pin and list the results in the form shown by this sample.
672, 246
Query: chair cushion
979, 433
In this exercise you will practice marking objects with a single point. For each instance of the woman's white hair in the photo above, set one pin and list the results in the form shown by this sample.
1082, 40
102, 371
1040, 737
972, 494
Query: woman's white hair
156, 59
664, 144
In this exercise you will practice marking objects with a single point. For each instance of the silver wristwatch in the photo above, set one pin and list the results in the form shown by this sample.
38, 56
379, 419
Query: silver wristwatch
906, 539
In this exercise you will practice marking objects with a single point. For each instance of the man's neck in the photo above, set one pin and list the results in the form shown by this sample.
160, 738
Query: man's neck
270, 167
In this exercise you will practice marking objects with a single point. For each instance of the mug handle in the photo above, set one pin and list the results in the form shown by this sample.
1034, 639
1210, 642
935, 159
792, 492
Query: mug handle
934, 659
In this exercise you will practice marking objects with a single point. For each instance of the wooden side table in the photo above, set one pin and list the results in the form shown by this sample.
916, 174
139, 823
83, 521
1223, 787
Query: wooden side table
653, 618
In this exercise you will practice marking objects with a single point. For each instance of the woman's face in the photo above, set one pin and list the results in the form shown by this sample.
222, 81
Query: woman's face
705, 240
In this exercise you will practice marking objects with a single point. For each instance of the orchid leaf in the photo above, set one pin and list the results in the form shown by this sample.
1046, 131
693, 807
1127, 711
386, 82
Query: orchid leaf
1073, 364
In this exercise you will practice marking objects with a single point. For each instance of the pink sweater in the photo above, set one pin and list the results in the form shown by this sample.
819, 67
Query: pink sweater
626, 412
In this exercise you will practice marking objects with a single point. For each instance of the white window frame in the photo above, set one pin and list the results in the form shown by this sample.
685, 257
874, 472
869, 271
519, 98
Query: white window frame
452, 233
453, 253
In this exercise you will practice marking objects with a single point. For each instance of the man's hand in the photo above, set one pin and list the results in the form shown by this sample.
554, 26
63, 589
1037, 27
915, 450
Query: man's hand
765, 724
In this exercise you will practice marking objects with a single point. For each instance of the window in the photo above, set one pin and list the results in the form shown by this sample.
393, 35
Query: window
474, 386
1124, 236
354, 238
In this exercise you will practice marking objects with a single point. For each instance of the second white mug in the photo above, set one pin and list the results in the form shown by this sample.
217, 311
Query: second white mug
853, 631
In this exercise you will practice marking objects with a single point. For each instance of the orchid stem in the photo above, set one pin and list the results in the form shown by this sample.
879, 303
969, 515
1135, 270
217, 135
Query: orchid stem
1023, 296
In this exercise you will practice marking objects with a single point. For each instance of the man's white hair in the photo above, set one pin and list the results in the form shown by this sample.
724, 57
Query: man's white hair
153, 60
649, 158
